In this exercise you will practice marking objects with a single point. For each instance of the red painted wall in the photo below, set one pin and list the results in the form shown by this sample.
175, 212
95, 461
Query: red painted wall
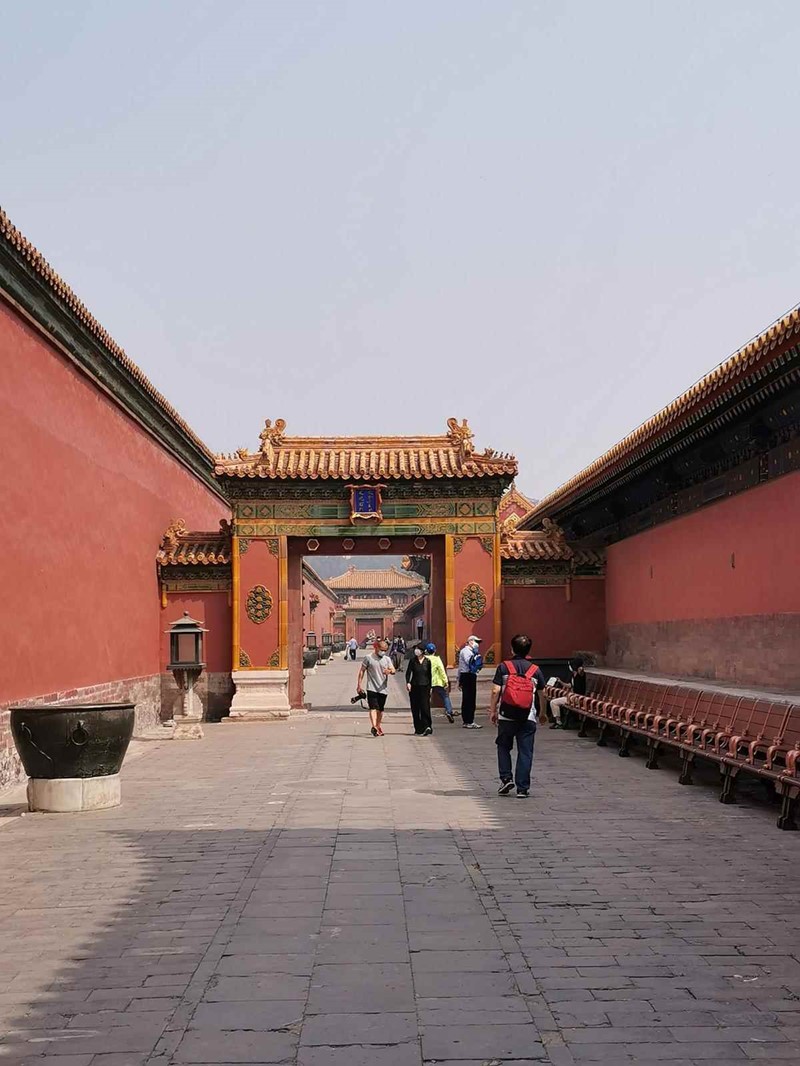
682, 569
214, 611
558, 627
87, 495
473, 565
322, 620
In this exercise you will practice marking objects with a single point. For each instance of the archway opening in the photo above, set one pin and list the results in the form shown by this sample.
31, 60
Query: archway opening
379, 587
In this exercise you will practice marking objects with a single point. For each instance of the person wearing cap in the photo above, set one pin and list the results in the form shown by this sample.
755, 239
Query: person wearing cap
469, 663
440, 682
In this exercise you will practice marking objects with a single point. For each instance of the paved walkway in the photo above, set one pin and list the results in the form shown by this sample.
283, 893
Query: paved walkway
301, 892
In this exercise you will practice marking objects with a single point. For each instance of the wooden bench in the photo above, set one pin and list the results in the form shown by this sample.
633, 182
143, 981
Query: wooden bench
741, 734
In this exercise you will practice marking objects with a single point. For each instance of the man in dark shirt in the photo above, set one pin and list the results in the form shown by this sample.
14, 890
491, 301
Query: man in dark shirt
578, 685
515, 722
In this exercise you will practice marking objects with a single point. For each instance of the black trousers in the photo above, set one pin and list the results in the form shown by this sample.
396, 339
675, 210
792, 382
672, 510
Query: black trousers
420, 696
469, 690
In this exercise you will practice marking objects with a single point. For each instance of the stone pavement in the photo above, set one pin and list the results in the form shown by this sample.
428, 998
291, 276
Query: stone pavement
301, 892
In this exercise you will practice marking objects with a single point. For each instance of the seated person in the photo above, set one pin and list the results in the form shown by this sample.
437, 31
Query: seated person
577, 684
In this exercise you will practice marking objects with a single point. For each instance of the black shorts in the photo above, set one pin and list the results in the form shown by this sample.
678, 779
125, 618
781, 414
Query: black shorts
376, 701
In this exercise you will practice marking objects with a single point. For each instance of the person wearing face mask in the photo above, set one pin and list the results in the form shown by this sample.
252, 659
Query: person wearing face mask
469, 663
418, 683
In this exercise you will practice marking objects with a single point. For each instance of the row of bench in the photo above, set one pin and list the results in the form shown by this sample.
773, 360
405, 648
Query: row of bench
742, 734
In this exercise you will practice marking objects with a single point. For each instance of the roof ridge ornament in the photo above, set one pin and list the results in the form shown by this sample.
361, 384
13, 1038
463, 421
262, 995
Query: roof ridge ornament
174, 531
460, 436
271, 437
553, 532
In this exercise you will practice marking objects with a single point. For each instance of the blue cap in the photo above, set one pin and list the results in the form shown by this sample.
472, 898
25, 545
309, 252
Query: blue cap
430, 647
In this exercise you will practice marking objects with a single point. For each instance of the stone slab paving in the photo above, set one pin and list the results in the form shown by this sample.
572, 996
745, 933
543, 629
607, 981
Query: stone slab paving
303, 893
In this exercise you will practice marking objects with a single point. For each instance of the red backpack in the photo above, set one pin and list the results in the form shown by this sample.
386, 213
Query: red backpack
519, 688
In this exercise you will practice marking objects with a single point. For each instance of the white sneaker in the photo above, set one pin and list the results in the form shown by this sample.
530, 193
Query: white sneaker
473, 725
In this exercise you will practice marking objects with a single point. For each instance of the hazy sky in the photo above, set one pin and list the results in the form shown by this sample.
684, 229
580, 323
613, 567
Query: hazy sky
365, 217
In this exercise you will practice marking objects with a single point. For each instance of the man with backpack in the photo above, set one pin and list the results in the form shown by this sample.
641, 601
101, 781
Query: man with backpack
470, 663
513, 710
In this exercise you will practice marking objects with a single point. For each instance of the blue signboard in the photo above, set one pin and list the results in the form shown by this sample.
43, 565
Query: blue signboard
365, 501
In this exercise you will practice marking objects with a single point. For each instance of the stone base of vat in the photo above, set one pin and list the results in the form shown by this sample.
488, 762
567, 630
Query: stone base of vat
68, 795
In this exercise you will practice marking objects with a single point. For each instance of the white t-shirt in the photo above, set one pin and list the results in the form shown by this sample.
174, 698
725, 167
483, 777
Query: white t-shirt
376, 668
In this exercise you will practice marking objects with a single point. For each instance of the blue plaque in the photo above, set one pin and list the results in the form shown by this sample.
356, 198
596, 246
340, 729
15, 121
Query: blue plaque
366, 503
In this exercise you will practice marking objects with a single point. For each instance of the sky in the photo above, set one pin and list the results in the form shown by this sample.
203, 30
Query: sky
365, 217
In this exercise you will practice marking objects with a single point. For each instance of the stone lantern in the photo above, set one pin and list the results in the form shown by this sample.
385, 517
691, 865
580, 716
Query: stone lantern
186, 663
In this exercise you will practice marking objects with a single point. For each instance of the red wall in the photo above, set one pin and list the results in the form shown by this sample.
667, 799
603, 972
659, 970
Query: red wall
682, 569
558, 627
322, 621
87, 495
214, 611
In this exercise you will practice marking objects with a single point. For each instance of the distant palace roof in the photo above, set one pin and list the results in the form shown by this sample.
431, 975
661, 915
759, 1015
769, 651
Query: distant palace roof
365, 458
375, 579
721, 386
384, 604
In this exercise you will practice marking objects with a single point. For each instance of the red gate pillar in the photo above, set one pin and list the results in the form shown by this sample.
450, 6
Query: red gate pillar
260, 628
472, 594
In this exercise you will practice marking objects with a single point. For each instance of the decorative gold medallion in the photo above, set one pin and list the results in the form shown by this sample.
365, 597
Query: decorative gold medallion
259, 604
244, 658
348, 544
473, 602
312, 544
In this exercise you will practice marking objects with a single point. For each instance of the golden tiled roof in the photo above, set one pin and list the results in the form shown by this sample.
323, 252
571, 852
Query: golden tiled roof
539, 546
384, 604
39, 265
721, 384
179, 547
365, 458
375, 579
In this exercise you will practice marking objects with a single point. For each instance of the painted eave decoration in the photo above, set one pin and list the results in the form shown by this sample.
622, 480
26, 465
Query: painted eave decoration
369, 459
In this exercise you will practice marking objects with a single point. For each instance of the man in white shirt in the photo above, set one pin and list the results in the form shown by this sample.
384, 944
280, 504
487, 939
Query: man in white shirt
376, 666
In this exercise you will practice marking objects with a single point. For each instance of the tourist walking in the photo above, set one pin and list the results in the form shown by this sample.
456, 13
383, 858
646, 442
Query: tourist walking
577, 684
469, 663
513, 711
376, 666
440, 682
418, 683
352, 648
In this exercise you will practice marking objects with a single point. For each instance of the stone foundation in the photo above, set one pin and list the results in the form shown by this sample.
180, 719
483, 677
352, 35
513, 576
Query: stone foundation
757, 650
261, 696
215, 691
145, 692
63, 795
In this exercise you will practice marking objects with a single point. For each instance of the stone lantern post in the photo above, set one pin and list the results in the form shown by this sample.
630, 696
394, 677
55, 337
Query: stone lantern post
186, 663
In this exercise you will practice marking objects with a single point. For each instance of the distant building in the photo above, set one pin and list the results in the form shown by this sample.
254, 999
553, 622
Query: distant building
375, 600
